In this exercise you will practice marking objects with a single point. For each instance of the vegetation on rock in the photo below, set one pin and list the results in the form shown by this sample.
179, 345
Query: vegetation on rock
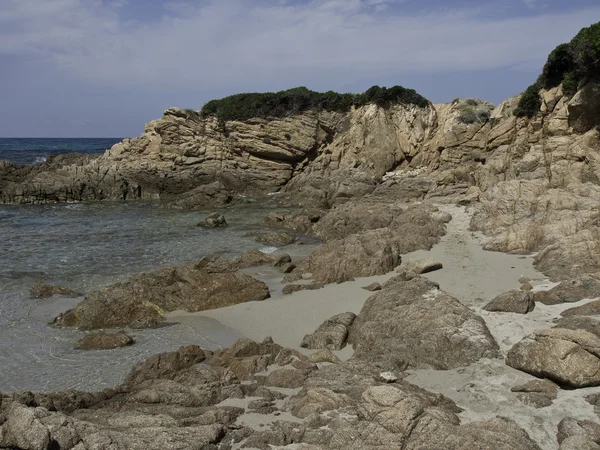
568, 64
297, 100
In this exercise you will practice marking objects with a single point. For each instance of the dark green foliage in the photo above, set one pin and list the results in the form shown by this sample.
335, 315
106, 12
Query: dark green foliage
568, 64
530, 102
297, 100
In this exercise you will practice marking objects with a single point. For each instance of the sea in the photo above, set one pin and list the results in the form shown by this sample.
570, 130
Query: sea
86, 246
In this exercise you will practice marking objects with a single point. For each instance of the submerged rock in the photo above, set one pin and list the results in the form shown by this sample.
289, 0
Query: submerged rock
213, 220
275, 238
48, 290
104, 341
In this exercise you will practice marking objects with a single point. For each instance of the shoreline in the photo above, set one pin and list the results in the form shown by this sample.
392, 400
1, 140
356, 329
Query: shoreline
287, 318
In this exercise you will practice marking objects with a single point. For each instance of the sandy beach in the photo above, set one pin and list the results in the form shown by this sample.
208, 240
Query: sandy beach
470, 274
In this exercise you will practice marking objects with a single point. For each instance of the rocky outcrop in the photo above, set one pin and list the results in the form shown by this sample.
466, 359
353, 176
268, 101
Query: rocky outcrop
142, 300
570, 357
355, 249
415, 324
183, 400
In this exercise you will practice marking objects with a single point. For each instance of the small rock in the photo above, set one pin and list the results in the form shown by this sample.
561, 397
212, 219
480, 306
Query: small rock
512, 301
387, 377
104, 341
213, 220
526, 287
372, 287
307, 276
524, 280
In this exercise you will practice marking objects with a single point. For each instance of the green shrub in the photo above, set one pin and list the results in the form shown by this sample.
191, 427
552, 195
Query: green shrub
530, 102
472, 110
568, 64
297, 100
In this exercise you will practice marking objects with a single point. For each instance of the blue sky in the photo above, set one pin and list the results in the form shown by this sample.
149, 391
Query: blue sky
76, 68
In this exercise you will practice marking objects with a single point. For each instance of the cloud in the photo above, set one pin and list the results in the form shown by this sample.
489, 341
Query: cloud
216, 43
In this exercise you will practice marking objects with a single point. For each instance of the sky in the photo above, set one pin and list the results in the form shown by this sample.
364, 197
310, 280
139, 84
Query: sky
103, 68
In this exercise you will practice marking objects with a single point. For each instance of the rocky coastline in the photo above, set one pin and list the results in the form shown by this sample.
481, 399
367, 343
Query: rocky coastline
420, 364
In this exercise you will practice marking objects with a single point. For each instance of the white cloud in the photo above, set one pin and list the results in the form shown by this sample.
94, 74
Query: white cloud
219, 42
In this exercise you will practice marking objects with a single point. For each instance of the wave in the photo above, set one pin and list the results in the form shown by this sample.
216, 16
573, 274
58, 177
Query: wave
39, 160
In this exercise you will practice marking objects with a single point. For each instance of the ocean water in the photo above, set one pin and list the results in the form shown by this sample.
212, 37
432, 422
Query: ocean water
36, 150
86, 246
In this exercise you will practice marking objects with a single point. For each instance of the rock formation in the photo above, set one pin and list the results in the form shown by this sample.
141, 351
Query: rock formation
192, 399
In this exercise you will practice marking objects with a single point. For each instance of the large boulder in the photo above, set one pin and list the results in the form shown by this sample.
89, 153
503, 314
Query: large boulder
570, 357
512, 301
420, 326
145, 297
331, 334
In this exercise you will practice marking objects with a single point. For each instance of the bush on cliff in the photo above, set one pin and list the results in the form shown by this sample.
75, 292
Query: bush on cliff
568, 64
297, 100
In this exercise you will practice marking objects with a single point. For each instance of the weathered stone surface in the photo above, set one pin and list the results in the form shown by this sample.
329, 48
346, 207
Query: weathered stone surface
579, 323
323, 355
331, 334
589, 309
275, 238
165, 365
570, 426
254, 258
417, 325
373, 251
291, 288
512, 301
578, 443
569, 357
174, 401
213, 220
419, 266
569, 291
539, 393
372, 287
147, 296
104, 341
48, 290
